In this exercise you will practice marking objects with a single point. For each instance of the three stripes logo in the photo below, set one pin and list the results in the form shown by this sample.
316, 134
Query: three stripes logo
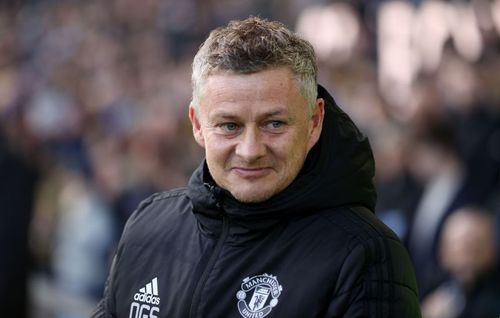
148, 294
146, 301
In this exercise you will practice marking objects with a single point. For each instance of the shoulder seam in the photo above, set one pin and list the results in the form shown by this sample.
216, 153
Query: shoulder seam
168, 194
159, 196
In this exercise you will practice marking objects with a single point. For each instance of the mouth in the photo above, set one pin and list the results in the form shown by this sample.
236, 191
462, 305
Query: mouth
251, 173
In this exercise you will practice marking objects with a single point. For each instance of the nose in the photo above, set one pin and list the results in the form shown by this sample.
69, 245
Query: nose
251, 146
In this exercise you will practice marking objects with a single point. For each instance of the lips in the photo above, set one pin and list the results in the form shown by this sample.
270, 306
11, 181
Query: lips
250, 173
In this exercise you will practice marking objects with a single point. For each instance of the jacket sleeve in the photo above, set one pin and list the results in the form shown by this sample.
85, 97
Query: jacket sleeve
376, 280
105, 307
99, 311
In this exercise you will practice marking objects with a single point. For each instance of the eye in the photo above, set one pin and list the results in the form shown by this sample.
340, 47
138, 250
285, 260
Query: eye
229, 126
275, 124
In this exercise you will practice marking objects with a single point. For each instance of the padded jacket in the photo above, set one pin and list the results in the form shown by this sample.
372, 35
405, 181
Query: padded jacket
314, 250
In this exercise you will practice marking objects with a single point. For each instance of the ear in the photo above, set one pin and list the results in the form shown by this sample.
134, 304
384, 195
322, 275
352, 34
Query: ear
197, 129
316, 122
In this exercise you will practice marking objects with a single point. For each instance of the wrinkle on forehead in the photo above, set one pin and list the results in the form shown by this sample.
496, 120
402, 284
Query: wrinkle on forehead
250, 85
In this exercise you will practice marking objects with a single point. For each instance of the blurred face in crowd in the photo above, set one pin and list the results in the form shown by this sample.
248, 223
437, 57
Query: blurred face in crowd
256, 130
468, 245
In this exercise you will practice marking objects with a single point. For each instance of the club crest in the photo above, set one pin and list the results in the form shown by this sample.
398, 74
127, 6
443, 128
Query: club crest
258, 295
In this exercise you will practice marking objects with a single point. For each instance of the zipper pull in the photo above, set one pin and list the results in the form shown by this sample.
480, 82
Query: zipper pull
217, 193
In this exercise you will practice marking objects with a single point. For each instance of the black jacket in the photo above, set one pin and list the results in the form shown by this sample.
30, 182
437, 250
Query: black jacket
313, 250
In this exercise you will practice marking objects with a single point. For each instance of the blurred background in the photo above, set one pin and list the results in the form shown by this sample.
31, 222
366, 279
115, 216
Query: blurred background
93, 119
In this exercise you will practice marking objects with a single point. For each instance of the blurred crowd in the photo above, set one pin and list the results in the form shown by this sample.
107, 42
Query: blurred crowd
93, 119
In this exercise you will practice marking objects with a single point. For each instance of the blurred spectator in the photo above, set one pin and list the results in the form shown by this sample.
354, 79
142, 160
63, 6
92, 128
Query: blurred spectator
476, 118
398, 191
433, 160
468, 254
80, 255
79, 252
333, 31
17, 185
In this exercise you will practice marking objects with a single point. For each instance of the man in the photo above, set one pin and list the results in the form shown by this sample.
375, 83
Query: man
468, 254
277, 221
18, 182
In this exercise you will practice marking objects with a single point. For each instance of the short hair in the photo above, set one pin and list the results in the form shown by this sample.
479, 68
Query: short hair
253, 45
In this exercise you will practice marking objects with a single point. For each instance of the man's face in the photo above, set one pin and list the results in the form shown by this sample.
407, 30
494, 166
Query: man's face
256, 130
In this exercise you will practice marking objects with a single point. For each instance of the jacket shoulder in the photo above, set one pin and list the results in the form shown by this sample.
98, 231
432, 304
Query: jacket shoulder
156, 213
376, 275
155, 203
360, 223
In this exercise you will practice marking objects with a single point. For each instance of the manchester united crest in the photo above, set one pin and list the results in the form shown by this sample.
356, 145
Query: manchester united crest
258, 295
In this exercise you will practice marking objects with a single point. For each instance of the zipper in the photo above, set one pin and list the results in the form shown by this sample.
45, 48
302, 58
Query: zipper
210, 264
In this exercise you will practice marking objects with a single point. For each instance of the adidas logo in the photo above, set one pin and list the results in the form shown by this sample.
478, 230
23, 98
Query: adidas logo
148, 294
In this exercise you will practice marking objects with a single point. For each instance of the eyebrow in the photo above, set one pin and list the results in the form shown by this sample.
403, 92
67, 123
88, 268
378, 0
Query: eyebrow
279, 111
224, 114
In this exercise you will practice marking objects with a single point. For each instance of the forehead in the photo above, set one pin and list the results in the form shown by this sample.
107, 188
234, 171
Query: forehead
278, 84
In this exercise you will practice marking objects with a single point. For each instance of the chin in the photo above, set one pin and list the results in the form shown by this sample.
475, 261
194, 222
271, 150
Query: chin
252, 196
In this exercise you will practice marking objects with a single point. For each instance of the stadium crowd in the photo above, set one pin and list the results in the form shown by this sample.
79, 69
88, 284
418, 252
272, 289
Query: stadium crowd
93, 119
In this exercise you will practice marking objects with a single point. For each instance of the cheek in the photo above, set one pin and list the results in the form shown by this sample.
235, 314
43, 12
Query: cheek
292, 151
301, 143
217, 150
